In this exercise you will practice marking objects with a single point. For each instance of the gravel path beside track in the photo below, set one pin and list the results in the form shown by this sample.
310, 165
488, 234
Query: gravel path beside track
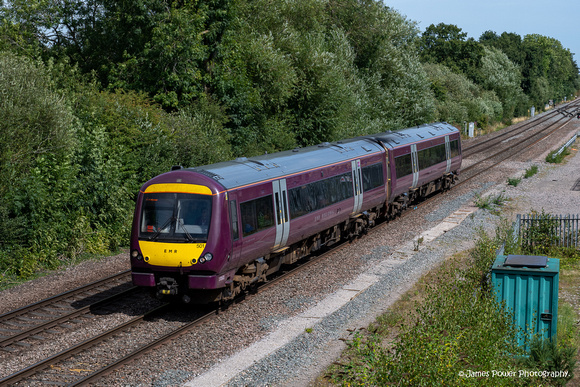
381, 254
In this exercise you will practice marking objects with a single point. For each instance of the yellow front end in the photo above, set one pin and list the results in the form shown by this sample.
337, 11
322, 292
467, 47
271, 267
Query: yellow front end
171, 254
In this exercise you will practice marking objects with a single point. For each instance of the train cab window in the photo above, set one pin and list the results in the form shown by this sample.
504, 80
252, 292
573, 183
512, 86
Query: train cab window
403, 165
372, 176
257, 215
175, 217
157, 214
454, 148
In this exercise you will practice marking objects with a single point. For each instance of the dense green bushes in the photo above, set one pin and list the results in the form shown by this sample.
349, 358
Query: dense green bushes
459, 99
36, 145
73, 159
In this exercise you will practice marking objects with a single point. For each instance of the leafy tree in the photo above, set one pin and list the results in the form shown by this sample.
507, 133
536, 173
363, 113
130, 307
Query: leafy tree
502, 76
253, 80
459, 99
489, 37
26, 26
508, 42
168, 66
161, 47
447, 44
370, 26
301, 73
549, 70
397, 87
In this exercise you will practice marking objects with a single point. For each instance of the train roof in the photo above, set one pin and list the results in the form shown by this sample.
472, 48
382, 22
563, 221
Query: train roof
249, 170
415, 134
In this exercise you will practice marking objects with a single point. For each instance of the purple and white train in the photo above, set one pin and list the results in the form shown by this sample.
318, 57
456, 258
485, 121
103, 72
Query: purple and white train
207, 233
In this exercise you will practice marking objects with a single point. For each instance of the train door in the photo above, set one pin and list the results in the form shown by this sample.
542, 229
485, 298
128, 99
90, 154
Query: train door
235, 230
281, 212
357, 186
388, 181
448, 154
415, 165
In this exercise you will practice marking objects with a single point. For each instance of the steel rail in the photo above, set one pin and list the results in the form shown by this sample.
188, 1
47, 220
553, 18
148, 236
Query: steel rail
59, 297
539, 134
59, 320
530, 124
33, 369
187, 327
520, 129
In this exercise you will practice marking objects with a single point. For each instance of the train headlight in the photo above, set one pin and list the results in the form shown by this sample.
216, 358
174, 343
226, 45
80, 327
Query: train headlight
135, 254
206, 258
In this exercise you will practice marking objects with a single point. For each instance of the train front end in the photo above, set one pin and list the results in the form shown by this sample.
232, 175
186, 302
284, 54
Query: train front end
178, 246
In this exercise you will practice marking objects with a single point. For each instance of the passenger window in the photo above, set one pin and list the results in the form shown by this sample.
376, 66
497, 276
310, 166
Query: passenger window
403, 165
454, 148
320, 194
372, 176
431, 156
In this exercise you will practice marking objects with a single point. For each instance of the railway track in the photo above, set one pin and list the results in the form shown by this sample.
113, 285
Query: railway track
31, 320
64, 367
507, 152
520, 129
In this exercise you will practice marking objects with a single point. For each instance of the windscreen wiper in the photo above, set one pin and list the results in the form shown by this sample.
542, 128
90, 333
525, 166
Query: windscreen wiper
156, 235
182, 225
